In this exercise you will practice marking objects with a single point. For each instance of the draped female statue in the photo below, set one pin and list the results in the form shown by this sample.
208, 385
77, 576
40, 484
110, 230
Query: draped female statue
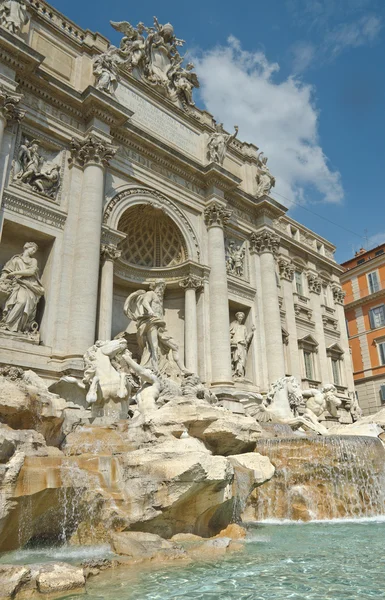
21, 288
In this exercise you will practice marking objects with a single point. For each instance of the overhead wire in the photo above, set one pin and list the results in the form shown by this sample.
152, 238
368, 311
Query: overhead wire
320, 216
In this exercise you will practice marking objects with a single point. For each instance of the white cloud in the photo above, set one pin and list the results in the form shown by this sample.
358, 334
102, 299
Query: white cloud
352, 35
239, 87
375, 240
303, 55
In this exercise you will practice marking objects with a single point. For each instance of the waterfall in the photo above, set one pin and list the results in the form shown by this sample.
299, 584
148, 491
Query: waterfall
321, 478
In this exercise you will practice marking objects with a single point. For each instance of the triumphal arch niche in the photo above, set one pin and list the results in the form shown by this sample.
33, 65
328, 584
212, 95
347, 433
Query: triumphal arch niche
125, 207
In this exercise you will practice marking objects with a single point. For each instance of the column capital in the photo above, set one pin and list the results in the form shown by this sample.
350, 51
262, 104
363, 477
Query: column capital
216, 214
9, 106
191, 282
314, 282
286, 268
92, 150
109, 252
265, 241
338, 294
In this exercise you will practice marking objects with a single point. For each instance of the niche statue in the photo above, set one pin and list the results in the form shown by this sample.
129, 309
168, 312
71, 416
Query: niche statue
20, 291
240, 343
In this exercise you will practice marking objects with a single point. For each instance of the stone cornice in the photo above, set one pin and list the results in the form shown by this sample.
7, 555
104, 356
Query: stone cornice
173, 275
216, 176
34, 210
216, 214
380, 295
264, 241
92, 150
17, 54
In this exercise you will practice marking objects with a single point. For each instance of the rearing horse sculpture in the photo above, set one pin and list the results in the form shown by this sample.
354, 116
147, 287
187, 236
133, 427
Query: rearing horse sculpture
281, 406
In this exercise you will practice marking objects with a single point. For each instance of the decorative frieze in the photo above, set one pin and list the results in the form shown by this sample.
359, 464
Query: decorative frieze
91, 151
265, 241
34, 211
216, 214
9, 106
191, 282
338, 294
286, 268
109, 252
314, 283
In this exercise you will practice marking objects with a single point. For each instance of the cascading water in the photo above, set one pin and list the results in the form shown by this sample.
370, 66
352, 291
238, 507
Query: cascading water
321, 478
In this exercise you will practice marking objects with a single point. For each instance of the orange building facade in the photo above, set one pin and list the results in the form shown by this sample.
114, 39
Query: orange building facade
364, 284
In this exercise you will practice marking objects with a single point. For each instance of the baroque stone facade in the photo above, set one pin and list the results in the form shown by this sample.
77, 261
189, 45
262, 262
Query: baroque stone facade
120, 181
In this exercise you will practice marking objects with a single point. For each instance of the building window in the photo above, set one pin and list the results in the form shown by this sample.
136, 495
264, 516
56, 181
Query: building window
381, 352
298, 282
347, 327
377, 316
309, 366
359, 262
382, 394
309, 347
336, 354
380, 252
373, 282
336, 368
325, 294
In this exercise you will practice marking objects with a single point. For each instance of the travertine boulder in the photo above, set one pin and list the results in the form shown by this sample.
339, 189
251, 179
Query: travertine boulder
59, 577
26, 403
27, 441
137, 545
222, 431
12, 580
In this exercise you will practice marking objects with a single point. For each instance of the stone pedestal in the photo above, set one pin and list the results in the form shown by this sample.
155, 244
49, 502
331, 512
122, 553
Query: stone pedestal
266, 244
216, 215
191, 285
108, 255
93, 155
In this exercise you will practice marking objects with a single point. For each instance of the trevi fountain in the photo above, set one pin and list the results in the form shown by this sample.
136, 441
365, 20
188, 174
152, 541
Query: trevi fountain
177, 407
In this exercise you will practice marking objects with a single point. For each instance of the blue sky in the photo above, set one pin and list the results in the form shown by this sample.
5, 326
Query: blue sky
304, 80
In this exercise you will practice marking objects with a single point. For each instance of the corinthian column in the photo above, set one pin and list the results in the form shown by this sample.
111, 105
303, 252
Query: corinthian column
92, 156
286, 273
108, 255
9, 111
190, 285
339, 296
315, 287
216, 216
266, 244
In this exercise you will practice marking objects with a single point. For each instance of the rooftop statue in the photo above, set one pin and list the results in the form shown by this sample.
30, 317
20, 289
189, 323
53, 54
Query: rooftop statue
219, 142
265, 180
13, 15
153, 53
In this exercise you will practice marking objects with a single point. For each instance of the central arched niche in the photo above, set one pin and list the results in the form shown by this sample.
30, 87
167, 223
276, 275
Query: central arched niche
153, 239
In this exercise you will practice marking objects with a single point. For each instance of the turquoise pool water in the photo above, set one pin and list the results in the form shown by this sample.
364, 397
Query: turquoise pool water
315, 561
